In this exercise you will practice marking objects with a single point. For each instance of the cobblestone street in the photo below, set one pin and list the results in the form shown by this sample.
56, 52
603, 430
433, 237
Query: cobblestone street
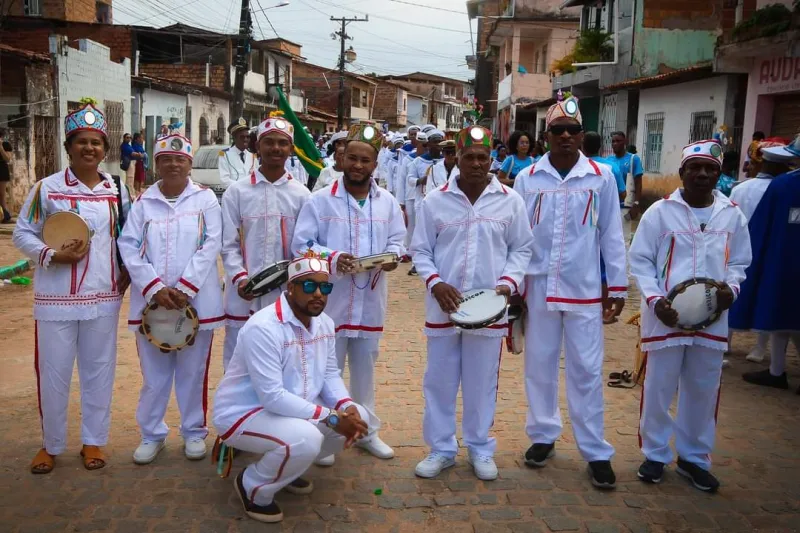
757, 457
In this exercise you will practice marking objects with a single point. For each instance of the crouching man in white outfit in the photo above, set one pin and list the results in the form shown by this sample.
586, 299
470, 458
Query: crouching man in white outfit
472, 233
694, 232
283, 396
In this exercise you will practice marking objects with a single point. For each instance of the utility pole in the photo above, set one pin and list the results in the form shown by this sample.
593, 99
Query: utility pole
342, 38
242, 56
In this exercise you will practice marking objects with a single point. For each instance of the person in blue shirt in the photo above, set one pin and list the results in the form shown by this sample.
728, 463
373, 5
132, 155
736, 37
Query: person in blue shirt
632, 169
726, 180
499, 159
519, 147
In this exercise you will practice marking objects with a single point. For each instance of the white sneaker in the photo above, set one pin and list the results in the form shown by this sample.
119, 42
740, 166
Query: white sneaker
147, 452
328, 460
376, 447
757, 355
726, 363
194, 449
433, 465
484, 466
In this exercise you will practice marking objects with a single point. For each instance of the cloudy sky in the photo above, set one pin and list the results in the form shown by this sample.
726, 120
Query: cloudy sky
401, 36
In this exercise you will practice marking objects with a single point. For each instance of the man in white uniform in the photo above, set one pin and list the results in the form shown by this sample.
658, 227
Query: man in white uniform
391, 163
417, 176
351, 219
337, 139
407, 154
573, 209
296, 169
472, 233
237, 162
694, 232
258, 219
285, 403
332, 173
444, 168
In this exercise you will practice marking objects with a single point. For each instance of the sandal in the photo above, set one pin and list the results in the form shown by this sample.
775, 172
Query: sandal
93, 457
43, 463
621, 380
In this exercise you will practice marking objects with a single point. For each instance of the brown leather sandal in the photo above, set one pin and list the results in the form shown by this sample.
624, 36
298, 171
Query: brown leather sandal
43, 463
93, 457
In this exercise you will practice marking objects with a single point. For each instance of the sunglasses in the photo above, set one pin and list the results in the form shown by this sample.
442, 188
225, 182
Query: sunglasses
449, 151
572, 129
310, 287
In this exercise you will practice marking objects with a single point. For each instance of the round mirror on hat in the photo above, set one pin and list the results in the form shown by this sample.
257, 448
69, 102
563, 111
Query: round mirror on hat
176, 144
89, 118
476, 134
369, 133
280, 124
571, 107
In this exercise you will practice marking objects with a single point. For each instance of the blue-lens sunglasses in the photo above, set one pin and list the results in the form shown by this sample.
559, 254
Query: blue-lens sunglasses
310, 287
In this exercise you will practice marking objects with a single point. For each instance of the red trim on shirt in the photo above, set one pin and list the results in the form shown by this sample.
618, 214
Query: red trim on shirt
653, 298
150, 286
236, 317
253, 178
210, 320
685, 334
595, 167
617, 289
330, 261
278, 310
504, 188
335, 188
70, 183
356, 327
445, 186
430, 278
195, 289
341, 402
556, 300
317, 412
238, 276
239, 422
516, 288
588, 206
205, 382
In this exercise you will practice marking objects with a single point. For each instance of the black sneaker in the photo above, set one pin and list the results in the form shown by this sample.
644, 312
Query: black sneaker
299, 486
651, 471
602, 475
764, 378
263, 513
413, 271
701, 479
539, 453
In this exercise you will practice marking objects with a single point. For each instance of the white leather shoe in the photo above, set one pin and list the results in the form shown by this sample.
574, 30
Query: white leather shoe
376, 447
484, 466
433, 465
194, 449
147, 452
328, 460
757, 355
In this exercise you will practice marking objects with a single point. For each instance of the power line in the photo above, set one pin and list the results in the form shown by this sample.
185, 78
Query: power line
428, 7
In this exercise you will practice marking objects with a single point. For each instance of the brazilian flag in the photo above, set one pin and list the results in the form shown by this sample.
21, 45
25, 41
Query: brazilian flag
304, 145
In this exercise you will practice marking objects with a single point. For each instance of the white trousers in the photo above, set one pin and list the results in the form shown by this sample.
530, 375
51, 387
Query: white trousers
188, 368
231, 334
361, 355
583, 354
472, 361
626, 226
94, 342
780, 343
694, 372
288, 446
411, 212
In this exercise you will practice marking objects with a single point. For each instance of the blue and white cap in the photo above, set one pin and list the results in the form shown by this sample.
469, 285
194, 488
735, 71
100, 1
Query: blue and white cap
87, 118
709, 150
174, 144
782, 154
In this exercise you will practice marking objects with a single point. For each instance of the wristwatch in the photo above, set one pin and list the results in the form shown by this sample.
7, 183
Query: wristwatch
333, 420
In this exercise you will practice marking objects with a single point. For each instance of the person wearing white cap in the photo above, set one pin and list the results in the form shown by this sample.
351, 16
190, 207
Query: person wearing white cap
287, 404
695, 232
337, 139
396, 145
407, 153
768, 299
350, 219
573, 209
258, 219
747, 196
444, 168
472, 233
330, 174
428, 153
170, 245
236, 162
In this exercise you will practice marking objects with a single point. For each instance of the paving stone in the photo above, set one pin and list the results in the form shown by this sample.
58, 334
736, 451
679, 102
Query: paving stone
443, 500
310, 526
151, 511
415, 516
526, 527
500, 484
779, 507
636, 502
602, 527
453, 515
730, 522
598, 498
562, 523
112, 511
358, 498
93, 525
370, 517
331, 512
213, 526
418, 501
542, 511
130, 526
562, 498
483, 527
390, 502
401, 487
462, 486
484, 499
699, 521
339, 527
500, 514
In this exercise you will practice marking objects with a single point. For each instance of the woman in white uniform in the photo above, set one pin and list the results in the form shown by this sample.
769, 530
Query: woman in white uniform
170, 245
77, 291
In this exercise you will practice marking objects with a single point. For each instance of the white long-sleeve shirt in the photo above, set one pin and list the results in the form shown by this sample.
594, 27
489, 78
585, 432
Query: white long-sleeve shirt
669, 247
326, 177
418, 169
335, 223
295, 167
175, 245
232, 167
87, 289
400, 173
258, 220
470, 246
574, 219
281, 367
438, 176
747, 195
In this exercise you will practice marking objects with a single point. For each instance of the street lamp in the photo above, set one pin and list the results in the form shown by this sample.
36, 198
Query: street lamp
284, 3
350, 55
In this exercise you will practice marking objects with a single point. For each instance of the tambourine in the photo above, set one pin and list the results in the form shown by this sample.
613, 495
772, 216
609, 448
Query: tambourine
695, 300
268, 279
368, 262
64, 226
515, 340
479, 308
169, 329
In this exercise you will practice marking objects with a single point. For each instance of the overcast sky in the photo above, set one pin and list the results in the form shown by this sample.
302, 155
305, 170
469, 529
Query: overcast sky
399, 37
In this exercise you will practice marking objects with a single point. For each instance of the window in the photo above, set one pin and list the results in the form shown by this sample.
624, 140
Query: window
702, 126
189, 122
653, 141
608, 121
203, 131
33, 8
405, 104
364, 99
542, 68
219, 138
355, 97
115, 113
102, 13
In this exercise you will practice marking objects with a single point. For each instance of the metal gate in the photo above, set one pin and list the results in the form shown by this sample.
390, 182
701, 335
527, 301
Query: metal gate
115, 114
44, 131
608, 121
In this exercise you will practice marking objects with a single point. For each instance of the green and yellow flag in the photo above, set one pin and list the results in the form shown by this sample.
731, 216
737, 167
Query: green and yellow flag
304, 145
